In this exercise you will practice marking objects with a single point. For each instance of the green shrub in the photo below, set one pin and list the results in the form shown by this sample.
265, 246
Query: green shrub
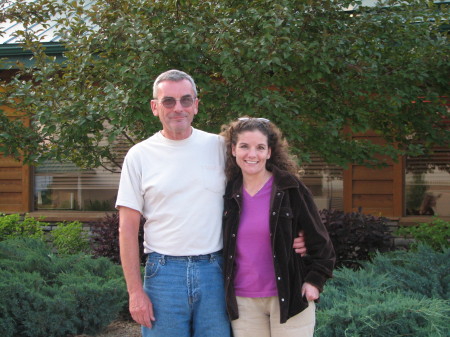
375, 314
70, 238
43, 294
436, 233
14, 226
399, 293
65, 238
423, 271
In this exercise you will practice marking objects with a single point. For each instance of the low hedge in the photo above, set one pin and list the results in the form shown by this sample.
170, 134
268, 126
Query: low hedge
47, 295
66, 238
399, 293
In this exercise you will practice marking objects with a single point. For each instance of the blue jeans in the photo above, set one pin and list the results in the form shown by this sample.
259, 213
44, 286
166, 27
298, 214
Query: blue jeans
188, 297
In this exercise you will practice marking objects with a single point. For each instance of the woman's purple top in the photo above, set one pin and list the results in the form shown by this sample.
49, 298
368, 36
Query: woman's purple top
255, 274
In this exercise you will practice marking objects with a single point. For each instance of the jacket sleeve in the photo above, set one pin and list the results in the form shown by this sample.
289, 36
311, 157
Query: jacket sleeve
321, 258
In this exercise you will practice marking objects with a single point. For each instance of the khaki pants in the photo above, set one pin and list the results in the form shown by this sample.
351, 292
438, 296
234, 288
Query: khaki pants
260, 317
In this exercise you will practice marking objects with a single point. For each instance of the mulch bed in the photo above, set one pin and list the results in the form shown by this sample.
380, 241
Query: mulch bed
119, 328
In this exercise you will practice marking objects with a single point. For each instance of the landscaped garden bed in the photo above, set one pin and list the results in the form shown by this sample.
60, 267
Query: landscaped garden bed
57, 284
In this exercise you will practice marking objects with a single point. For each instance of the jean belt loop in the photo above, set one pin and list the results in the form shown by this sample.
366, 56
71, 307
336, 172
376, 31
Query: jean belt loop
162, 260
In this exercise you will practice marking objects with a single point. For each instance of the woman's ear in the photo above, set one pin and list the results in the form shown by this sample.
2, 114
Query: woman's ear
233, 150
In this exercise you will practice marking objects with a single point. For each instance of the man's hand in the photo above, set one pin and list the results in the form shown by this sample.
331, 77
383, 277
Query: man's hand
299, 244
141, 309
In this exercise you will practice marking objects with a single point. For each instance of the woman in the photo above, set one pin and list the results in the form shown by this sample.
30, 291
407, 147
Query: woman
270, 290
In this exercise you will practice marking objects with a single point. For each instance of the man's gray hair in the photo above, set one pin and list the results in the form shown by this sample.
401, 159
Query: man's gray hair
173, 75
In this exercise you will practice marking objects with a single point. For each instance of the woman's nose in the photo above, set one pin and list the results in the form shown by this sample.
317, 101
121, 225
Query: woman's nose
252, 153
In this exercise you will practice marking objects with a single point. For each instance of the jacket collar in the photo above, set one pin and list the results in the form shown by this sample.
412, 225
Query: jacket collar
282, 180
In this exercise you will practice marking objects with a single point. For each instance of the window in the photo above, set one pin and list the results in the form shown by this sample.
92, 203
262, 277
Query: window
325, 182
427, 183
65, 187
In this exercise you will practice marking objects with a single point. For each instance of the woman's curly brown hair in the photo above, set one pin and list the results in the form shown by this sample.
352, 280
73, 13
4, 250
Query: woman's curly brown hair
280, 156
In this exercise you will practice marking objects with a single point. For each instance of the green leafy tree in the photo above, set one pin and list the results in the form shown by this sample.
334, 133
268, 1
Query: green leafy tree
319, 72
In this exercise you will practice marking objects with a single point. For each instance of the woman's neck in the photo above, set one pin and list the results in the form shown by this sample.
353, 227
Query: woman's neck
254, 183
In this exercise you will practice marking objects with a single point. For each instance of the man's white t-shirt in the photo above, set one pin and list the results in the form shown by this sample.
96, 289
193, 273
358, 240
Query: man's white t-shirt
178, 186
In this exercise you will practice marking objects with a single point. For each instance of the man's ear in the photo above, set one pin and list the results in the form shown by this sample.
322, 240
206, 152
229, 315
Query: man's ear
154, 107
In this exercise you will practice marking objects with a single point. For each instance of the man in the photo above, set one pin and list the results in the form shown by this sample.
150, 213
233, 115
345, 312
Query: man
176, 180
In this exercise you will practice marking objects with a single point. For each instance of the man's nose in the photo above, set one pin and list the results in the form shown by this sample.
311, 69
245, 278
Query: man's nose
178, 105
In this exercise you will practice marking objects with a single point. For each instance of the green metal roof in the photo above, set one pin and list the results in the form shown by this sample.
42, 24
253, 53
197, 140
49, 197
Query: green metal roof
11, 54
11, 50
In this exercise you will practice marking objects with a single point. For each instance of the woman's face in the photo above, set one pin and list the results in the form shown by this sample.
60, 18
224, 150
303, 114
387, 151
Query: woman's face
251, 152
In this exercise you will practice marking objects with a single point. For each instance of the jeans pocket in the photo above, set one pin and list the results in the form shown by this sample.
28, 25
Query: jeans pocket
218, 261
151, 268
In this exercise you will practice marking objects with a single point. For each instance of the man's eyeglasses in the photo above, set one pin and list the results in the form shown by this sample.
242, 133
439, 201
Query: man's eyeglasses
243, 119
170, 102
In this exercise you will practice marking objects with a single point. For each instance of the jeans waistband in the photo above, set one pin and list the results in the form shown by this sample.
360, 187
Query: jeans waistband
186, 258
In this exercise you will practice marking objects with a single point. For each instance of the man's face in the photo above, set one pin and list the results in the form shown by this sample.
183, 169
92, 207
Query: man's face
176, 120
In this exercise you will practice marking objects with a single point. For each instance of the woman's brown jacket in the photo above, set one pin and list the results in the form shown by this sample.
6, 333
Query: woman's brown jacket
291, 209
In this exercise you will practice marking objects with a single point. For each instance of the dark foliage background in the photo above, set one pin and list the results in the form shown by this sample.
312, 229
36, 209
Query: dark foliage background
356, 236
105, 238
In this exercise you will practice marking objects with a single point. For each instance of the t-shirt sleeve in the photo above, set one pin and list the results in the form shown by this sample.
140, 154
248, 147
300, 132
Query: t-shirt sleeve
130, 187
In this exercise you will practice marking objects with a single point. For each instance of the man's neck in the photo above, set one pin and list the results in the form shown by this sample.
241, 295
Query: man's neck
177, 136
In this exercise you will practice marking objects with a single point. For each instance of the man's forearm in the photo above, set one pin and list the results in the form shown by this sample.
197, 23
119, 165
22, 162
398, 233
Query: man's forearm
141, 308
129, 250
